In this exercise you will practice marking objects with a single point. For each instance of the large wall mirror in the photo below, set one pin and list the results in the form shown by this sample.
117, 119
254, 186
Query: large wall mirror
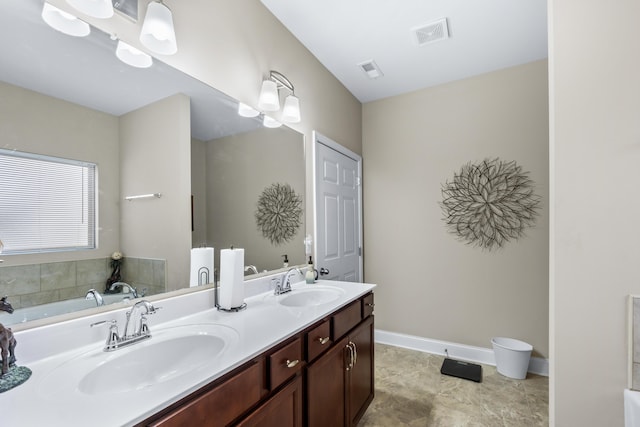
152, 130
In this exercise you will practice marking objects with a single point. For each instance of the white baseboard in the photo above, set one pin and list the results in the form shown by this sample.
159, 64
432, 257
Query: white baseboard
537, 365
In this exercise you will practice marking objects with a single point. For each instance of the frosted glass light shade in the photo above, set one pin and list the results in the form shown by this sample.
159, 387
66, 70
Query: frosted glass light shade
96, 8
64, 22
245, 111
269, 122
291, 110
132, 56
158, 34
269, 99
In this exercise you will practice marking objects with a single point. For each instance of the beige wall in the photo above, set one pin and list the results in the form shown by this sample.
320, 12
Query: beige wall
430, 284
239, 168
36, 123
158, 135
595, 158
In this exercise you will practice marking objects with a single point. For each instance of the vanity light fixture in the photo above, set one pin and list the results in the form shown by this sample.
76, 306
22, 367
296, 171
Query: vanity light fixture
246, 111
96, 8
270, 122
291, 110
132, 56
158, 34
64, 22
270, 97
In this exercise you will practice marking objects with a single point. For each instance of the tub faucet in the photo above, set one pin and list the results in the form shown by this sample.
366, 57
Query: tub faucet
93, 294
133, 291
285, 284
251, 268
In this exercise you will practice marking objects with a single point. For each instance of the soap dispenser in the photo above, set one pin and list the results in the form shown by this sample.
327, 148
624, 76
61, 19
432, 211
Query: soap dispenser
310, 275
285, 264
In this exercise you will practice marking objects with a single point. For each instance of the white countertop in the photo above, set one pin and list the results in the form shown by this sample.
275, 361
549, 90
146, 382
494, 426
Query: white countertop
38, 402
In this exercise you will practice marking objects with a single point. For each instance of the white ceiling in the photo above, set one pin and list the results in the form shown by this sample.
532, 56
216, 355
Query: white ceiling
485, 36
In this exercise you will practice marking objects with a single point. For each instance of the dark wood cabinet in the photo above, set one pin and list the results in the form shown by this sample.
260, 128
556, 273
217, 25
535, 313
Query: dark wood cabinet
326, 388
320, 377
284, 409
285, 363
220, 405
340, 384
360, 378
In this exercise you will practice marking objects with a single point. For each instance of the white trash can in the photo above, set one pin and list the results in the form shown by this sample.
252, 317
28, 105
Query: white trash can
512, 357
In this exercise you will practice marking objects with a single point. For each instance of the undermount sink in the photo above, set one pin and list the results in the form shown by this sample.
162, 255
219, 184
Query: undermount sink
171, 353
311, 296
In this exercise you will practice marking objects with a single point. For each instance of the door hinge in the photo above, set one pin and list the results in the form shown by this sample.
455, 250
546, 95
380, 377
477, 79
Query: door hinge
358, 181
359, 251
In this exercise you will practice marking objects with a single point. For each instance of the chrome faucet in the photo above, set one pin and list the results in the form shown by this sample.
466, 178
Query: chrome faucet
133, 291
251, 268
285, 284
115, 341
93, 294
143, 328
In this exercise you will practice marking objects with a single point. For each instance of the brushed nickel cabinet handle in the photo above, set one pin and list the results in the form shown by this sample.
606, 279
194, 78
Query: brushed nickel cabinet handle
355, 353
370, 305
292, 363
351, 356
323, 341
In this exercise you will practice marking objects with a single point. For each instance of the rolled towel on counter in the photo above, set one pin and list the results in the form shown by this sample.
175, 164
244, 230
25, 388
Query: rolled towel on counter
231, 278
201, 266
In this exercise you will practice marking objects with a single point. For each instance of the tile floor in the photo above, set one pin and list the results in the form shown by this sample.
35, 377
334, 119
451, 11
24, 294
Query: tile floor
410, 391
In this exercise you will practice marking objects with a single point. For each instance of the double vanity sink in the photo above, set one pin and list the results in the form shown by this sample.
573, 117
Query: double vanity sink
85, 385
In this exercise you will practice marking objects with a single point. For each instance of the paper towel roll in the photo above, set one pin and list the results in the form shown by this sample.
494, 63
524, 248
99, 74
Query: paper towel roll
201, 266
231, 278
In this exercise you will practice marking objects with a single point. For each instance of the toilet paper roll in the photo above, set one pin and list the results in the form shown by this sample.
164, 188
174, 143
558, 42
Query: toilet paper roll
201, 266
231, 278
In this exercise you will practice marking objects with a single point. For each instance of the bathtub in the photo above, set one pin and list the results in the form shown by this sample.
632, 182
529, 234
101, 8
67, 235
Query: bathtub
631, 408
21, 315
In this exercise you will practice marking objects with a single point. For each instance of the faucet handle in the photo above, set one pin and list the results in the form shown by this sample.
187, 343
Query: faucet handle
113, 338
144, 326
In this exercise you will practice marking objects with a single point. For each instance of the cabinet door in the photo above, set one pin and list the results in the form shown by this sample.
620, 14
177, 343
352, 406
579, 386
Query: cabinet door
360, 387
326, 388
221, 405
284, 409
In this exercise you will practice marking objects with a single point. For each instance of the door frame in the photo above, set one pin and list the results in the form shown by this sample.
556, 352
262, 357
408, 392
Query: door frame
319, 138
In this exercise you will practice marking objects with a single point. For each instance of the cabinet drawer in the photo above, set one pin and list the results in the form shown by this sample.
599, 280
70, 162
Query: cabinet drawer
221, 405
367, 306
346, 319
318, 340
285, 363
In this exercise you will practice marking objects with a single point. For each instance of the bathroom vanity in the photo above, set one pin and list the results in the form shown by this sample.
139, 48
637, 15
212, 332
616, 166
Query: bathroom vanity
301, 358
334, 355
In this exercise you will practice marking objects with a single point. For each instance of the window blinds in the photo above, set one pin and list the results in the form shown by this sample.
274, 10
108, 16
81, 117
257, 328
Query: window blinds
46, 203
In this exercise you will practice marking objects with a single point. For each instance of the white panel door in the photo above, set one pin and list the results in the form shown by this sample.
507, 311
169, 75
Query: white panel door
337, 206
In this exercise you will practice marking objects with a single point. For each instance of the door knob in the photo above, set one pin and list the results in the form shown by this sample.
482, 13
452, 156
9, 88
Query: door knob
323, 271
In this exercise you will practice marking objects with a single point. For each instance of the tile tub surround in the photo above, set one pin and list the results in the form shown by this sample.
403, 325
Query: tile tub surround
35, 284
263, 324
410, 391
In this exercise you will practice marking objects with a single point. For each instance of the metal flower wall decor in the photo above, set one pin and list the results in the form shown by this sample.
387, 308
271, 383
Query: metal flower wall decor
279, 213
489, 203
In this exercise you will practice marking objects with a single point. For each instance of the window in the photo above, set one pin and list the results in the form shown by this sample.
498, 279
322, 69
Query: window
47, 204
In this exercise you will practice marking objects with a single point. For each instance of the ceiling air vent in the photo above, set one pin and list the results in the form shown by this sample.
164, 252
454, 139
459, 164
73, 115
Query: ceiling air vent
430, 33
371, 69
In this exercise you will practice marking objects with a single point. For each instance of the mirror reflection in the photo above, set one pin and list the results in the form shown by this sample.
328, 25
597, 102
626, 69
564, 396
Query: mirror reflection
149, 131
